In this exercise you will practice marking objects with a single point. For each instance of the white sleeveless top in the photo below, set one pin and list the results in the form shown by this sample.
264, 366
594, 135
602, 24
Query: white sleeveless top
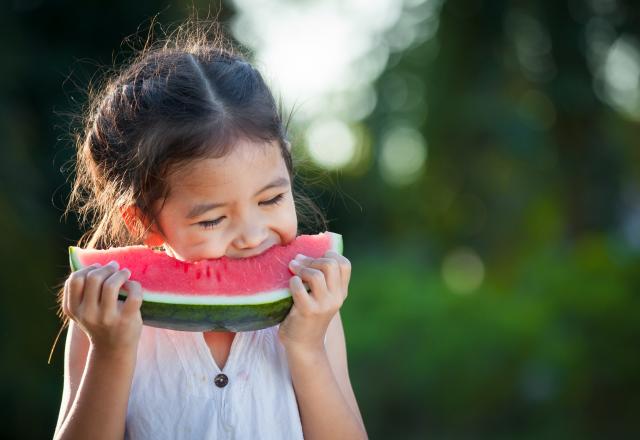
174, 396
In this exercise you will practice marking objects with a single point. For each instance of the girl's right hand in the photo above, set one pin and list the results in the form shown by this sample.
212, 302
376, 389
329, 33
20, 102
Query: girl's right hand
91, 300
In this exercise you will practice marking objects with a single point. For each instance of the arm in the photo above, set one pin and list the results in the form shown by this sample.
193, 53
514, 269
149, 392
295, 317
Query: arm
75, 358
314, 341
98, 370
327, 404
95, 395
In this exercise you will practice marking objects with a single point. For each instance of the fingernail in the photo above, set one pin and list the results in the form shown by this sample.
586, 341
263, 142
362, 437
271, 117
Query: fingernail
294, 264
300, 257
113, 264
128, 272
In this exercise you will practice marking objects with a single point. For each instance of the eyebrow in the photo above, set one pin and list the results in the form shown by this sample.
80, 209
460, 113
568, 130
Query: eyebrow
201, 208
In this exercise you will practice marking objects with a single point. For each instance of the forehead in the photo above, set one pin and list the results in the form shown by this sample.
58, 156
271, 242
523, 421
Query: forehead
246, 167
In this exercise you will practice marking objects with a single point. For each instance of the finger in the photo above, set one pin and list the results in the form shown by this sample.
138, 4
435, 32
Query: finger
86, 269
93, 285
111, 288
345, 268
316, 281
331, 270
133, 302
301, 297
74, 286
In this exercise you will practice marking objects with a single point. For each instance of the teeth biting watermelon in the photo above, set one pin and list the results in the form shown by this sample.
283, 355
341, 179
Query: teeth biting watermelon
219, 294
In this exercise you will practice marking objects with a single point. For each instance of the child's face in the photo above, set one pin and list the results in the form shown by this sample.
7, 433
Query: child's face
254, 208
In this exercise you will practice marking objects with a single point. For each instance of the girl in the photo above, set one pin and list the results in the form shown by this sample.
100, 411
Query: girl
185, 150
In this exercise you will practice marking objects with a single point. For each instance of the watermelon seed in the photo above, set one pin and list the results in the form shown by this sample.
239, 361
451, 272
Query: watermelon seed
208, 272
198, 274
218, 277
186, 268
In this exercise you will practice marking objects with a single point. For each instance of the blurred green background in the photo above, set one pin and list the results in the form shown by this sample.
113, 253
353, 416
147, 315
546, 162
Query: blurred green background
480, 158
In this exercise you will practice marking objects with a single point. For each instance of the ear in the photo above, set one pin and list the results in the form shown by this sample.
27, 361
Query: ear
132, 216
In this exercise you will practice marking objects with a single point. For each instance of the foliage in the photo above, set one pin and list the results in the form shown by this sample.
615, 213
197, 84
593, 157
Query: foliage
548, 356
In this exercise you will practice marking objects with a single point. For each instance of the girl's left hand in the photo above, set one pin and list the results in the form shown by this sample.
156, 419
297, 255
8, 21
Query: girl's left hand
328, 280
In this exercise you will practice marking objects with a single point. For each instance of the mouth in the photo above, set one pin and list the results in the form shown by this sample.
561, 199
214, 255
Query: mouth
253, 252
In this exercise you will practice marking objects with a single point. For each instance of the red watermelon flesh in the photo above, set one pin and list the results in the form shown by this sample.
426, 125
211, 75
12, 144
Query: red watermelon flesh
222, 293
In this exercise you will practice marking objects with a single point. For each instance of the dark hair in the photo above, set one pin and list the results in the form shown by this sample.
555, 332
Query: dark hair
188, 96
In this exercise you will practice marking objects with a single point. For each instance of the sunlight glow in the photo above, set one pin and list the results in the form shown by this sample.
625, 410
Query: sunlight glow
323, 57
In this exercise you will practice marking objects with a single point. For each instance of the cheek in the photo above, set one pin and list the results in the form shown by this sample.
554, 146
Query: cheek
204, 247
193, 243
288, 222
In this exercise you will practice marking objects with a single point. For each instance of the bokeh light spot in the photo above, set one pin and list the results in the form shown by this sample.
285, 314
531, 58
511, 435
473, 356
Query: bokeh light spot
621, 73
403, 155
463, 270
331, 143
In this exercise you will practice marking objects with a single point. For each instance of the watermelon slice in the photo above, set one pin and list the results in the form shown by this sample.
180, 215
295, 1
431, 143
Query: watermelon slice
219, 294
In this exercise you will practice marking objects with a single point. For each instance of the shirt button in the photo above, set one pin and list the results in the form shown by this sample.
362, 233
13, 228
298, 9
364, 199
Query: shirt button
221, 380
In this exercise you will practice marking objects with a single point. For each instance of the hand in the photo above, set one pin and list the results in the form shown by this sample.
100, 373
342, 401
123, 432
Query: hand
91, 299
328, 280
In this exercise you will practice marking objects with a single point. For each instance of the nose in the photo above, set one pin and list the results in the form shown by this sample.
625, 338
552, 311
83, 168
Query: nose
250, 235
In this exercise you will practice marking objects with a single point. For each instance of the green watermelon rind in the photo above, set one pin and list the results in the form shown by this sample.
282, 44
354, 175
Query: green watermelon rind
200, 318
213, 317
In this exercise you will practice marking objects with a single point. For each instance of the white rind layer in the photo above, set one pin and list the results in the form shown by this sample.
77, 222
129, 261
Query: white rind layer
210, 300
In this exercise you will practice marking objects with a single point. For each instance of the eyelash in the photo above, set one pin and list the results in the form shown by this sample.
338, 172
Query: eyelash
209, 224
277, 199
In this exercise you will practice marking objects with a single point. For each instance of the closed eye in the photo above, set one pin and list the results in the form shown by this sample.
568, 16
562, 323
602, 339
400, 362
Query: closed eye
274, 201
211, 223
